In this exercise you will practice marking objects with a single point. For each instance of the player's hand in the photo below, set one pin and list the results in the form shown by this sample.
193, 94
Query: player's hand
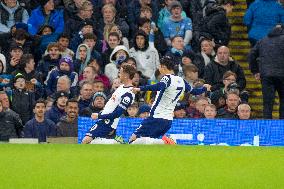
87, 140
135, 90
94, 115
207, 86
257, 76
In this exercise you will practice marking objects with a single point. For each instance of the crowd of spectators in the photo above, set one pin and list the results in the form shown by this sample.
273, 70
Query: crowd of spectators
60, 59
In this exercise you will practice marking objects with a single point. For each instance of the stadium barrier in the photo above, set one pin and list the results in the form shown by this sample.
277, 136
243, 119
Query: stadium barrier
207, 132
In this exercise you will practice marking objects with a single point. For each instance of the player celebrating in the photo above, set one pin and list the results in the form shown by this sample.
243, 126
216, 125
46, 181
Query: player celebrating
170, 88
104, 131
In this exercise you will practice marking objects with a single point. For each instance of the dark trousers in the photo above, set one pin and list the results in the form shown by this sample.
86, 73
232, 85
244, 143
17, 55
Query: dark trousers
269, 86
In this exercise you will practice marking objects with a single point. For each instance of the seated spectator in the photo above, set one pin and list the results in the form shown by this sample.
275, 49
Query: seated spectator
118, 55
261, 17
115, 84
49, 102
63, 42
244, 111
132, 110
109, 17
11, 13
210, 111
64, 84
22, 100
16, 52
97, 105
83, 56
49, 61
230, 110
98, 86
207, 50
86, 93
215, 70
58, 108
165, 13
114, 28
147, 58
198, 110
190, 73
144, 111
4, 78
90, 40
22, 38
156, 37
8, 126
65, 68
40, 126
68, 125
216, 23
112, 42
176, 25
179, 111
46, 13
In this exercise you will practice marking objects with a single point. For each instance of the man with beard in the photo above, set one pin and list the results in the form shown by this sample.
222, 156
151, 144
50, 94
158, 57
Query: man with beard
39, 127
68, 125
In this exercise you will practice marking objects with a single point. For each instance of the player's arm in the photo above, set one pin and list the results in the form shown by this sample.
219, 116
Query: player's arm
196, 91
126, 101
163, 84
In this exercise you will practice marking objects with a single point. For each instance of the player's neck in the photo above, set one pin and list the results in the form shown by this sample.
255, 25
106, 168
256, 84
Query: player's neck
127, 83
169, 72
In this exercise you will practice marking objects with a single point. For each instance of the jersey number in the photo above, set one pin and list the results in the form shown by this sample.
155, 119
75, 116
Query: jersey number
179, 89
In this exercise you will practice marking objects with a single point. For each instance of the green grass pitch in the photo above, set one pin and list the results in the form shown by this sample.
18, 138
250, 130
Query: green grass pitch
147, 167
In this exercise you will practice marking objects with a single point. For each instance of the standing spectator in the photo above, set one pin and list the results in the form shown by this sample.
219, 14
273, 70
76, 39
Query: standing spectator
68, 125
147, 58
98, 104
244, 111
266, 63
58, 108
261, 17
176, 25
11, 13
86, 93
230, 110
16, 52
215, 70
46, 14
40, 126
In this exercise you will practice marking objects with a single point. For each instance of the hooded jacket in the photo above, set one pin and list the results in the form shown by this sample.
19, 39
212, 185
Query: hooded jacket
269, 62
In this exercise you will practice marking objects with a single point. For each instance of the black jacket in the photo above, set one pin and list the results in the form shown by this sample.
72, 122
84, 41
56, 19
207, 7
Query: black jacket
267, 56
87, 112
214, 72
9, 126
64, 128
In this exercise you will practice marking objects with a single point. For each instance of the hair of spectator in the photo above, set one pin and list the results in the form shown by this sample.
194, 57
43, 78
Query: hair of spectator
190, 68
25, 59
225, 2
3, 92
86, 83
173, 38
90, 36
130, 70
110, 6
211, 106
92, 68
114, 34
64, 35
232, 92
21, 35
243, 104
40, 101
66, 78
72, 100
97, 81
201, 98
52, 45
168, 62
85, 5
142, 21
145, 8
228, 74
131, 59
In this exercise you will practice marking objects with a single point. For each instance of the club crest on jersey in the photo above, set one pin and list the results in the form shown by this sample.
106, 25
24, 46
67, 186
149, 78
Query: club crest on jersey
126, 100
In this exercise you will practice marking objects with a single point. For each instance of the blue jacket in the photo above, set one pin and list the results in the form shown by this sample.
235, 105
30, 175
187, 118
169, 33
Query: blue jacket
262, 16
37, 18
54, 114
34, 129
53, 75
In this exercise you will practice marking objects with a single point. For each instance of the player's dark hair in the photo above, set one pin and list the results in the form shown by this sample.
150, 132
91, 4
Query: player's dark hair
169, 63
130, 70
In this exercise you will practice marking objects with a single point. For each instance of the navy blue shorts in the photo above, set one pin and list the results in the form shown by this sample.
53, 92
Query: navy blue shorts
102, 130
153, 127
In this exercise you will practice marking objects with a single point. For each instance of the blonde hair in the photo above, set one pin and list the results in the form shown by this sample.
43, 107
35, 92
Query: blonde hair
109, 5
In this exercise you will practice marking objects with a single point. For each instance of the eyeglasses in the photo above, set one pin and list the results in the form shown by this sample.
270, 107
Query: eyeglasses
230, 80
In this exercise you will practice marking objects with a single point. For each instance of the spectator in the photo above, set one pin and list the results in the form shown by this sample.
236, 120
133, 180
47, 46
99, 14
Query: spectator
261, 17
65, 68
207, 50
147, 58
179, 111
230, 110
4, 78
16, 52
198, 110
210, 111
46, 13
115, 28
8, 126
176, 25
63, 42
58, 107
64, 84
113, 41
90, 40
244, 111
132, 110
144, 111
190, 73
22, 100
98, 86
40, 126
11, 13
215, 70
86, 93
97, 105
83, 56
266, 63
68, 125
118, 55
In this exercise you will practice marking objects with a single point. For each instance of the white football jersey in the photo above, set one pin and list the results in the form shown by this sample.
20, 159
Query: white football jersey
122, 97
166, 99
